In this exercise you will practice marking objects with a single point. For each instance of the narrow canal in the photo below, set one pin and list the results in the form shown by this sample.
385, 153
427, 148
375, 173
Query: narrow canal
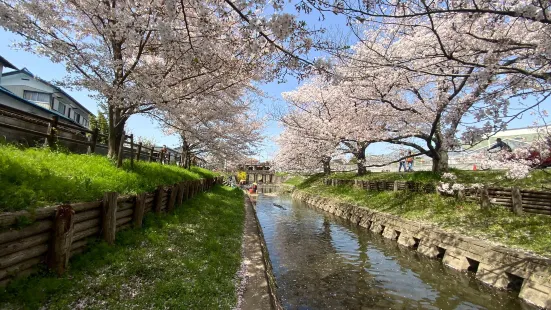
323, 262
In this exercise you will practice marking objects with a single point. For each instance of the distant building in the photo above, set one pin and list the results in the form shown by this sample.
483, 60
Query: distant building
21, 90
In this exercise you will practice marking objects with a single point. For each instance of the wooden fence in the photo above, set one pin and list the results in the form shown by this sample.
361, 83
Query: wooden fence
59, 232
529, 201
21, 126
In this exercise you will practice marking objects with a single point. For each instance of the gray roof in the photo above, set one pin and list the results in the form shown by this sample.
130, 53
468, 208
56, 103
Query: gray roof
6, 63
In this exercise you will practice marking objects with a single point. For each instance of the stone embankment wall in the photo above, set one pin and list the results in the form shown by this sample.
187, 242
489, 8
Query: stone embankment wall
494, 265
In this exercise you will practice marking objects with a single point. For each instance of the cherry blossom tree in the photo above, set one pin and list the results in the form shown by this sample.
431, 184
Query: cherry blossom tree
137, 55
218, 125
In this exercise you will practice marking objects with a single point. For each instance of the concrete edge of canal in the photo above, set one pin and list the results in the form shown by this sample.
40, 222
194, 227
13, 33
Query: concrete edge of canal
494, 265
260, 289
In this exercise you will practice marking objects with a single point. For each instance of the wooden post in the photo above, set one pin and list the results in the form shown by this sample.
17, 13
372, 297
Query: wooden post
139, 153
109, 217
60, 246
158, 205
181, 192
121, 150
516, 198
172, 198
168, 161
131, 150
188, 190
93, 141
139, 210
151, 154
52, 132
395, 186
484, 197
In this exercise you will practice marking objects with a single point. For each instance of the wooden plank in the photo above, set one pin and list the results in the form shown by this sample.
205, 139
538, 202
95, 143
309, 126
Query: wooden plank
124, 213
33, 229
86, 233
95, 222
17, 268
84, 206
124, 220
125, 205
10, 218
17, 257
34, 132
85, 142
24, 243
87, 215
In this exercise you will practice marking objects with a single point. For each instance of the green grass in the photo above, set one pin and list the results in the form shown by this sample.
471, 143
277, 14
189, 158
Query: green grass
295, 180
35, 177
539, 179
184, 260
528, 232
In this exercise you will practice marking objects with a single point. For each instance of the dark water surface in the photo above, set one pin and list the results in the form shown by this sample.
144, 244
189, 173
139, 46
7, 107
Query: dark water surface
323, 262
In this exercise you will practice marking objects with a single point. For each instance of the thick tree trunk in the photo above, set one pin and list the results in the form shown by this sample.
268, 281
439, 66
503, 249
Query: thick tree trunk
116, 129
440, 161
326, 165
360, 158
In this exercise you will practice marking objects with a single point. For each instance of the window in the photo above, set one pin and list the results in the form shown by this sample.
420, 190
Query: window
37, 97
61, 107
77, 118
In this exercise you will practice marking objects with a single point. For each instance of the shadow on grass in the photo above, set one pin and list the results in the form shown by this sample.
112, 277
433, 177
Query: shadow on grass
187, 259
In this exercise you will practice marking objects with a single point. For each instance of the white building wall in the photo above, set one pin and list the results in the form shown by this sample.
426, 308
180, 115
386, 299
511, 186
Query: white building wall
18, 83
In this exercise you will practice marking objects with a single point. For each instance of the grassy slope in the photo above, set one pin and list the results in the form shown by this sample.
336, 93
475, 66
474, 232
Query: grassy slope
186, 260
32, 177
537, 180
529, 232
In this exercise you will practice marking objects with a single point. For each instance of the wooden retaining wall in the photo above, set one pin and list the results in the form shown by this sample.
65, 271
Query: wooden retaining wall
530, 201
60, 232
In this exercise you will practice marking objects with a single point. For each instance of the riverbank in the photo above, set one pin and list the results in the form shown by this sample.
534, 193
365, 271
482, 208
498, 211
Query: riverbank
494, 265
497, 225
185, 260
35, 177
258, 288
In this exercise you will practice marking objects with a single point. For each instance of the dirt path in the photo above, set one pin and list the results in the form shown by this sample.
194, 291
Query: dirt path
255, 292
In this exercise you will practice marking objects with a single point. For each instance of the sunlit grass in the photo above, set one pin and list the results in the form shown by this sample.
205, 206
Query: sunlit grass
185, 260
538, 179
35, 177
528, 232
295, 180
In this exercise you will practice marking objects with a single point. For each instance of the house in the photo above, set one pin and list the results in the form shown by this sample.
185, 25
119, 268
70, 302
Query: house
21, 90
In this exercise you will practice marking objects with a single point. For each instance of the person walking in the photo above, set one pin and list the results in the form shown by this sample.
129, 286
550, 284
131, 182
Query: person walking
409, 161
402, 162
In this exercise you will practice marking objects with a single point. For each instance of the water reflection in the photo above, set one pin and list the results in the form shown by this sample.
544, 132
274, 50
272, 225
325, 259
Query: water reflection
322, 262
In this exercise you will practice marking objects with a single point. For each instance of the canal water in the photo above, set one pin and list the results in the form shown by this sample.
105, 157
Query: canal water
323, 262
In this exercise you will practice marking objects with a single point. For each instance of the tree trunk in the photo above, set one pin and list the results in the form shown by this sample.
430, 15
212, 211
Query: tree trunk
326, 165
440, 161
116, 130
360, 158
